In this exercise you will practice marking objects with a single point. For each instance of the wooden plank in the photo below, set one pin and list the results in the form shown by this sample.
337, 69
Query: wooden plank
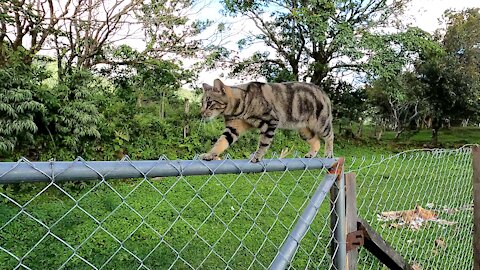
351, 213
476, 207
380, 249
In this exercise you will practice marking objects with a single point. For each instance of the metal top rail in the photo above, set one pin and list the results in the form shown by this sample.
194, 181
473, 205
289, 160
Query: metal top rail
79, 170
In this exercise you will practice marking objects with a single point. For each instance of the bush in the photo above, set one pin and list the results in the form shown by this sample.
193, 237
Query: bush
18, 106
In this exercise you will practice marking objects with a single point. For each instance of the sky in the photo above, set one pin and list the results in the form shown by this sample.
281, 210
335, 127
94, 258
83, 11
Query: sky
424, 14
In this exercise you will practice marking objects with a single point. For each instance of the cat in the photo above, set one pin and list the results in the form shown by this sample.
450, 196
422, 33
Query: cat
268, 106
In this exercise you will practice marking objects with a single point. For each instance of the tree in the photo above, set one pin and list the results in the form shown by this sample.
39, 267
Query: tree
27, 25
169, 28
143, 79
90, 27
398, 101
451, 77
349, 105
312, 39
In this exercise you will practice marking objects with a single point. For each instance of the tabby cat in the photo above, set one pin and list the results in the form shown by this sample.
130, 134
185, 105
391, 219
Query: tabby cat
268, 106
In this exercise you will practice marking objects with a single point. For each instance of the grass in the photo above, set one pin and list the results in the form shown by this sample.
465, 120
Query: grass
435, 181
238, 221
209, 222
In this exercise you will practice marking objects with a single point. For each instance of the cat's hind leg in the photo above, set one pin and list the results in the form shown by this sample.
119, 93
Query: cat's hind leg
312, 139
326, 133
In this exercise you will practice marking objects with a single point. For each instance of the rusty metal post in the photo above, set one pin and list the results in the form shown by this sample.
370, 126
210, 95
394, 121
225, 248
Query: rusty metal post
352, 218
338, 223
476, 206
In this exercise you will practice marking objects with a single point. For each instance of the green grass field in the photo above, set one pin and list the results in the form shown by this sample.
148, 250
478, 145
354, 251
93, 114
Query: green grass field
208, 222
238, 221
439, 182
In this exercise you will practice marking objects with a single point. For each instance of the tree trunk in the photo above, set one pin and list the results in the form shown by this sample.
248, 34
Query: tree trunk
162, 106
320, 72
3, 55
379, 134
139, 99
435, 128
434, 136
186, 128
360, 129
398, 133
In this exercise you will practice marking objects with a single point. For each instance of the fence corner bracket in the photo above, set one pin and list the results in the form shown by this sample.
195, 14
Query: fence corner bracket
355, 239
337, 167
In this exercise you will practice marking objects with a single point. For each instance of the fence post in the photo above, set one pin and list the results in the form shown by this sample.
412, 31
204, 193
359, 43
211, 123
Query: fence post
352, 216
337, 219
476, 206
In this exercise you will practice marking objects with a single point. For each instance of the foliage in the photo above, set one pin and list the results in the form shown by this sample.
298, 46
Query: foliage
398, 102
442, 85
170, 28
72, 109
18, 106
310, 40
451, 78
349, 104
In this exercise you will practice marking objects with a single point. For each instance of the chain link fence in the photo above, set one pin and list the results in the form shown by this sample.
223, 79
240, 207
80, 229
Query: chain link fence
232, 214
227, 214
421, 203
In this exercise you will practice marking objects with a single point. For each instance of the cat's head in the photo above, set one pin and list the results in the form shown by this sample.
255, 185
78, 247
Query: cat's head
215, 99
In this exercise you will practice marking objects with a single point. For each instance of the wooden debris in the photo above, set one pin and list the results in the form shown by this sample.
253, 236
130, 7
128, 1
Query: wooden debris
414, 219
440, 243
416, 266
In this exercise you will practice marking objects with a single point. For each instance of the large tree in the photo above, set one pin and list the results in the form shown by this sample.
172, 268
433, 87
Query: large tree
310, 39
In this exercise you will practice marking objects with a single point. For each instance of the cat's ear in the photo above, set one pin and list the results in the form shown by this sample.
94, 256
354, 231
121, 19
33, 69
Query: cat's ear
207, 87
219, 86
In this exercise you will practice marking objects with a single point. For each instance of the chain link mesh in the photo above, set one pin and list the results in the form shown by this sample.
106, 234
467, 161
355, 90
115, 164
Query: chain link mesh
421, 203
216, 221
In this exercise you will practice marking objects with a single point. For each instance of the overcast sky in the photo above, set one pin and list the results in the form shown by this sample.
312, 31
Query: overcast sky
426, 13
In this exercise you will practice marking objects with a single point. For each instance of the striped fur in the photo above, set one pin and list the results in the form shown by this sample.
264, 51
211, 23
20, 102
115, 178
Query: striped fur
269, 106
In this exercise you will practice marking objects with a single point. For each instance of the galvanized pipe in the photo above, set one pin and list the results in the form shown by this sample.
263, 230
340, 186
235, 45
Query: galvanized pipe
80, 170
339, 234
285, 254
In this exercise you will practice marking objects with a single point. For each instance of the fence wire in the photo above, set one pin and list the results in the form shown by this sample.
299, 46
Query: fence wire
231, 214
421, 203
213, 221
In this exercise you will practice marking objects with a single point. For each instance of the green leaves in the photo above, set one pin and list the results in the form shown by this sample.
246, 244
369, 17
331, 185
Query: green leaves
317, 38
18, 106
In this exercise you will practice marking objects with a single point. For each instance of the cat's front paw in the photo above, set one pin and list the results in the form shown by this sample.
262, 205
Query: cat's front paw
208, 156
254, 158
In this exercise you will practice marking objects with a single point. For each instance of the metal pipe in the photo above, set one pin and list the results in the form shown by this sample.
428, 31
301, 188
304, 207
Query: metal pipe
289, 247
80, 170
339, 234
